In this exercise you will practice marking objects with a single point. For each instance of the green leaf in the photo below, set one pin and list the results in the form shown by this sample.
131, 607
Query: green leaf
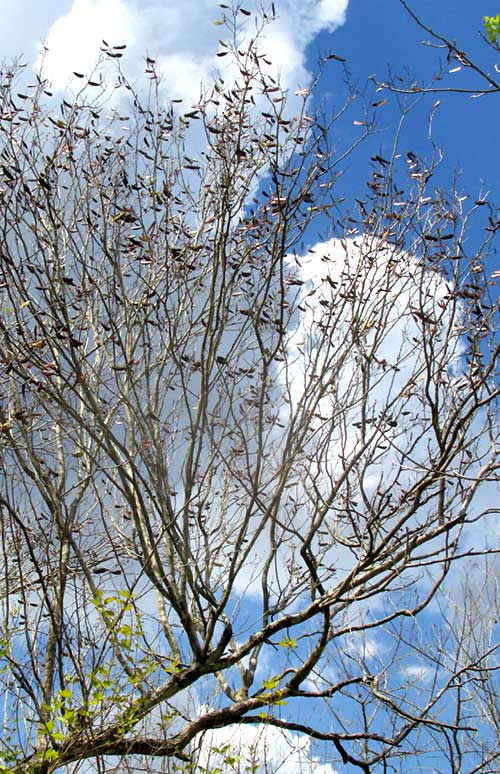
50, 755
492, 27
271, 683
288, 642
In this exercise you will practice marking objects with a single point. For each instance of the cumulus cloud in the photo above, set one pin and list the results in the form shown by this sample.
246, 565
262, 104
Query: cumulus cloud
380, 293
364, 300
363, 304
74, 40
416, 673
183, 39
260, 749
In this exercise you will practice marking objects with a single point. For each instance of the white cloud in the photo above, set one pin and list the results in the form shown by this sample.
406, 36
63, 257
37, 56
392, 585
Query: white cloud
365, 648
182, 37
260, 749
416, 673
75, 39
331, 13
369, 294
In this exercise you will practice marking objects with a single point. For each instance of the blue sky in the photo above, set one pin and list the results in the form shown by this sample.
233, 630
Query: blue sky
379, 33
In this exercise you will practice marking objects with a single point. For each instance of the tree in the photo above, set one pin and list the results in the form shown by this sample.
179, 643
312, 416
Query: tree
237, 476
